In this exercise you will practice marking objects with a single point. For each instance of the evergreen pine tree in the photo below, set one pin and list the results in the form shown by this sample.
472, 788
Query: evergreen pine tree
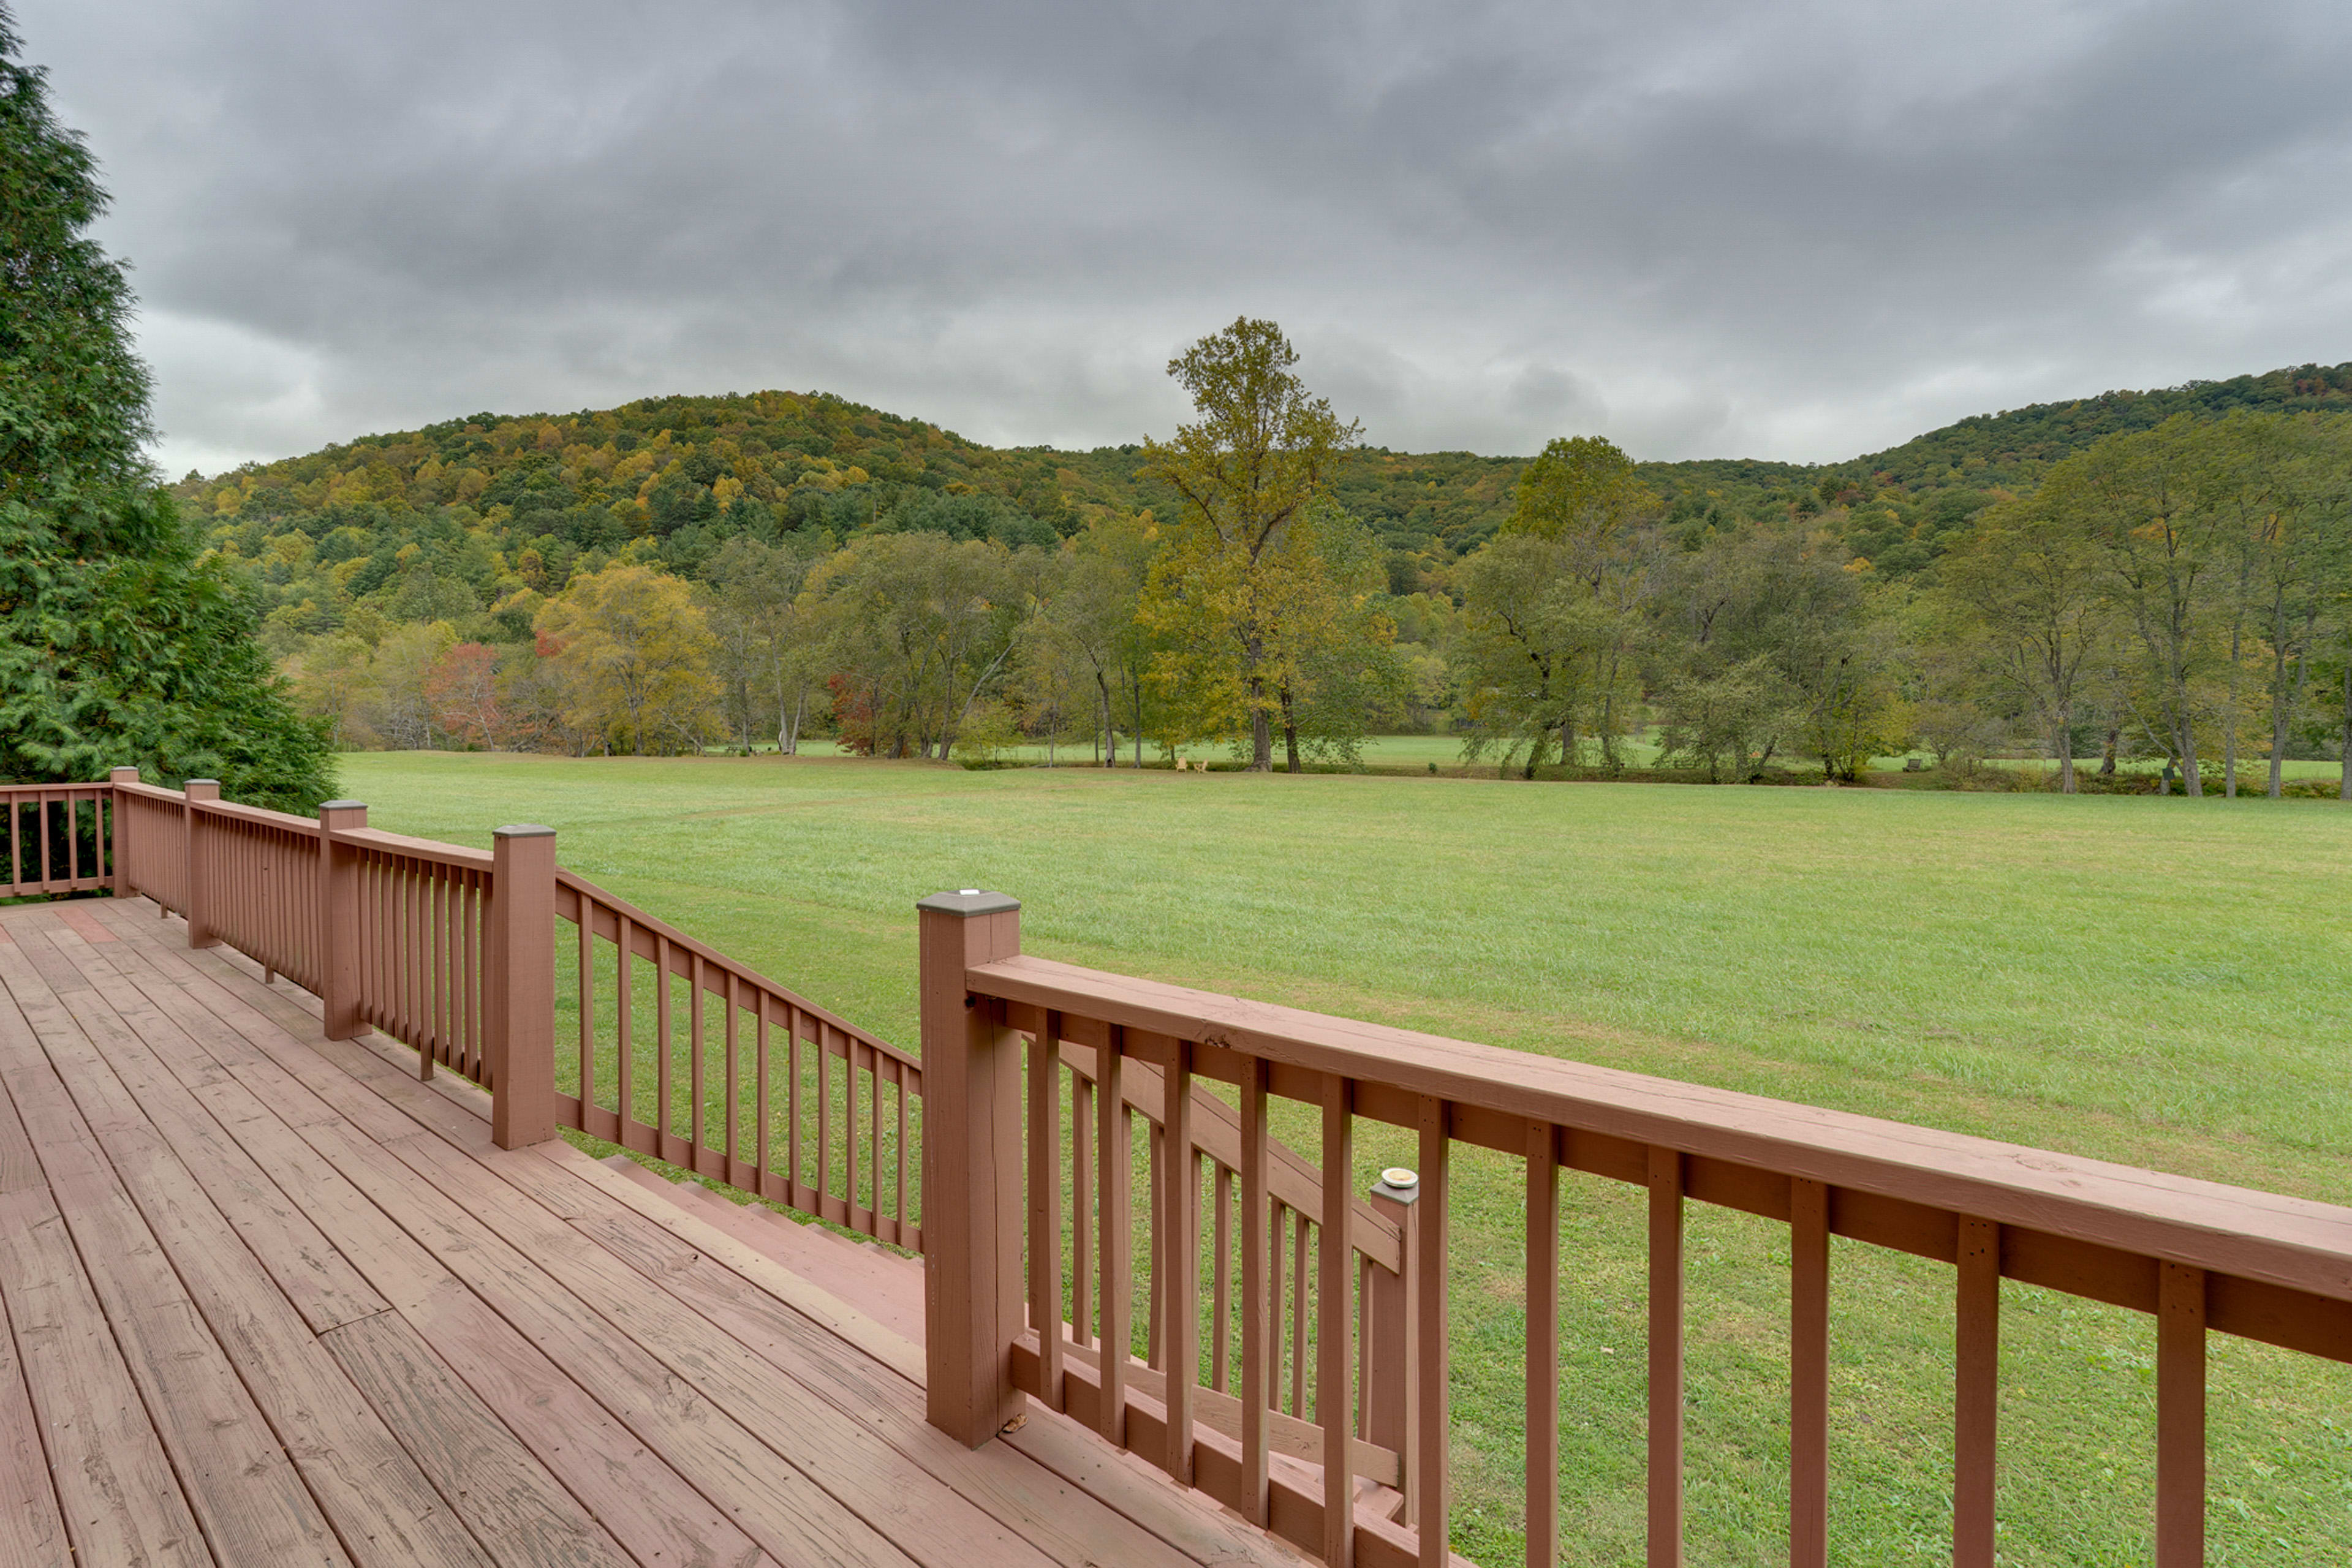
121, 644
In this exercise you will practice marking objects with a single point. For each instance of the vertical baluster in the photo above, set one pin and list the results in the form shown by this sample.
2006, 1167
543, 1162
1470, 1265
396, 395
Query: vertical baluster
1221, 1283
365, 945
697, 1088
587, 933
2181, 1416
1302, 1313
1261, 1287
478, 989
763, 1132
411, 969
437, 938
1046, 1206
41, 815
1333, 1303
906, 1218
1433, 1416
453, 945
1115, 1154
901, 1214
1177, 1224
1808, 1373
824, 1114
1665, 1511
1082, 1208
1278, 1303
1155, 1334
1543, 1346
849, 1130
663, 1119
476, 972
1367, 1321
419, 963
730, 1115
792, 1106
1976, 1392
625, 1009
873, 1133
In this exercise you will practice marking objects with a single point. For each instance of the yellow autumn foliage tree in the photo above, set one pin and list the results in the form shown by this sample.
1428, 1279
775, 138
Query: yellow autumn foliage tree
633, 653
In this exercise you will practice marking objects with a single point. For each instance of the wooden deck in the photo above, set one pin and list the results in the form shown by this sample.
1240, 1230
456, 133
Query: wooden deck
269, 1299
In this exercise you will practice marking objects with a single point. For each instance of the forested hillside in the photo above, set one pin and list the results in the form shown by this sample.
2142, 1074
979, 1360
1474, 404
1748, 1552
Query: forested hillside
658, 575
520, 500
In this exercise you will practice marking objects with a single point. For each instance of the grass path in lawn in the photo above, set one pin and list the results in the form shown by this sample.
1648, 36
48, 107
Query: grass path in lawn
2163, 982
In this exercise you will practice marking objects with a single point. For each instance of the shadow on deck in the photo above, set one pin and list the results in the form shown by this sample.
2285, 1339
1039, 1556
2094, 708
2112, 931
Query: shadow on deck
271, 1299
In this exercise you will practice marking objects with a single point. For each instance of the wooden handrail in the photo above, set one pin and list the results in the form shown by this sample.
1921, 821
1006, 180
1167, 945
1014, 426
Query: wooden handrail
2296, 1243
2201, 1256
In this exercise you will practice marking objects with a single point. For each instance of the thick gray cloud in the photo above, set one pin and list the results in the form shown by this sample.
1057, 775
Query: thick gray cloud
1720, 228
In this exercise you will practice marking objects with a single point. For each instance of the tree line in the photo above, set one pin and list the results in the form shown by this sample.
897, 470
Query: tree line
2181, 592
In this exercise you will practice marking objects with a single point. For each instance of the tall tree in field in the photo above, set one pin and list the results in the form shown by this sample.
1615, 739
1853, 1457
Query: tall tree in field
1246, 471
2145, 502
1088, 625
1553, 607
918, 629
2280, 493
2028, 598
635, 652
767, 655
117, 645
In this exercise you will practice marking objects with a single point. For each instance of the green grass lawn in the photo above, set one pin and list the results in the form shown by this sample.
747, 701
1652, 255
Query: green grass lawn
2163, 982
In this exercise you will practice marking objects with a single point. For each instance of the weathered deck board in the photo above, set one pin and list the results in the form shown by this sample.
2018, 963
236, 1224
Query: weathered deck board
381, 1506
390, 1341
246, 1495
32, 1528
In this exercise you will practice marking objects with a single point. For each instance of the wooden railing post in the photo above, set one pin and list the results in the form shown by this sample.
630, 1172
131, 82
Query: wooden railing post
118, 840
200, 931
972, 1171
339, 918
518, 984
1392, 1317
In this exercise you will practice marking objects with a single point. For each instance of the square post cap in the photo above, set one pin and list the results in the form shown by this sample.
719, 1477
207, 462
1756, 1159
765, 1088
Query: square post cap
1397, 1186
342, 805
968, 901
523, 831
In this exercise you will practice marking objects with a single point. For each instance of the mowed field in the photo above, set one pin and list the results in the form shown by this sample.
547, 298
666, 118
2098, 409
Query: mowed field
2162, 982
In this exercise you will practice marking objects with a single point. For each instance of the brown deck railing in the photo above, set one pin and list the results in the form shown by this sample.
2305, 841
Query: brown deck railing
53, 838
2199, 1256
782, 1098
451, 952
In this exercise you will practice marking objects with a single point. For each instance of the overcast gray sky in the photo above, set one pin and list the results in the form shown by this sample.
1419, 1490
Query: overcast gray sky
1714, 227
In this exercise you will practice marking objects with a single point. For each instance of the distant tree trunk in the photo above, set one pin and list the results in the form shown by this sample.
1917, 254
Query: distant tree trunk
2107, 756
1290, 731
2184, 741
2343, 791
2064, 740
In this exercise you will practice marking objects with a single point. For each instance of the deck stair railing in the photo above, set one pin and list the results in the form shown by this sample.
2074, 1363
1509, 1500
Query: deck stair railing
453, 952
1012, 1275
